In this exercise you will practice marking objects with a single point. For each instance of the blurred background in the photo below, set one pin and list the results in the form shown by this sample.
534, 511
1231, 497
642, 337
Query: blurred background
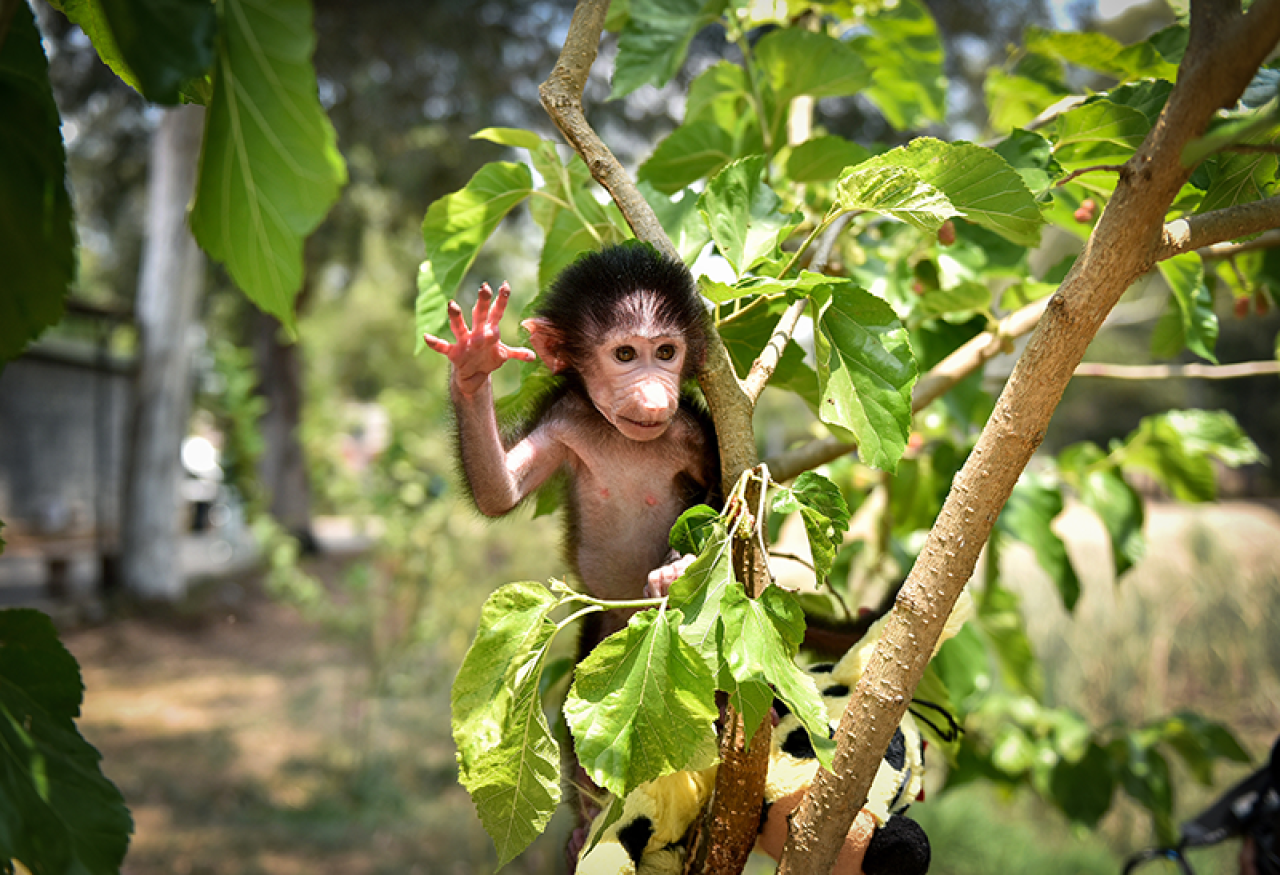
289, 712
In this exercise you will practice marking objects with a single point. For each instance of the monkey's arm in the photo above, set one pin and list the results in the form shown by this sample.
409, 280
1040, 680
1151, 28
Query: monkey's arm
501, 478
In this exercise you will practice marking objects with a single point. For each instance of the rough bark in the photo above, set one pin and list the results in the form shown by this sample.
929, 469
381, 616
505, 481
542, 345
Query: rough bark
168, 290
1224, 50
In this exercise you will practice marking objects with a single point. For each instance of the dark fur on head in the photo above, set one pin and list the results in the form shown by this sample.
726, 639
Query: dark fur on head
599, 290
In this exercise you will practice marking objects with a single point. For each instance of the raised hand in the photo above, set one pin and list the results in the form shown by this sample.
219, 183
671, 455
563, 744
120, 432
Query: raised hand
478, 351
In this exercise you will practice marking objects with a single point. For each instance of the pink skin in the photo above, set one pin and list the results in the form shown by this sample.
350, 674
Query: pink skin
633, 381
478, 352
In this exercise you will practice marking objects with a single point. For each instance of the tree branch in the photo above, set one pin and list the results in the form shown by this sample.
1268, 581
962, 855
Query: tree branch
1191, 370
1268, 240
1224, 51
729, 830
1218, 226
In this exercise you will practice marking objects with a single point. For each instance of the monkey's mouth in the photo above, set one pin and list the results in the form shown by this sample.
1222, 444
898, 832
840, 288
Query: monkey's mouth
644, 426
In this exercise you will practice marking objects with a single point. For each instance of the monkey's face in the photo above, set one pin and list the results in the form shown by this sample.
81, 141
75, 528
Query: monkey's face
634, 381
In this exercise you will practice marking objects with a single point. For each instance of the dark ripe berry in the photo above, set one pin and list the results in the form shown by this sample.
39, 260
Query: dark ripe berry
917, 287
947, 233
1242, 307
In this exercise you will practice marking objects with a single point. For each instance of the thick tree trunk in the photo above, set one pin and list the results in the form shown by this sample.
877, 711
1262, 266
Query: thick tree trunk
282, 468
170, 286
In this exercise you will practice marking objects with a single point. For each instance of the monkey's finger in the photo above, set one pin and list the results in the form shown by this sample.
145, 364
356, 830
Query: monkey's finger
480, 315
456, 323
441, 346
520, 353
500, 305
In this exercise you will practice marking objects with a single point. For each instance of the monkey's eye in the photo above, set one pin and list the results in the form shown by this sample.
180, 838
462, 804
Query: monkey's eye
625, 353
666, 352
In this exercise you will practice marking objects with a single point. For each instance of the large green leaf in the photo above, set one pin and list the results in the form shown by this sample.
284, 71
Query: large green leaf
1000, 619
742, 211
1119, 506
270, 168
1083, 789
905, 54
799, 61
656, 38
642, 705
978, 182
1097, 133
507, 758
1016, 97
887, 188
865, 371
681, 220
37, 240
58, 813
455, 228
823, 158
1185, 276
692, 151
1177, 449
1028, 517
91, 18
746, 333
699, 591
1239, 179
761, 639
166, 43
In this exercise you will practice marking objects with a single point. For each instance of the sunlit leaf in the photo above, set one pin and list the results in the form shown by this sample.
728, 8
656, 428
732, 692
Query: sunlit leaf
656, 38
825, 515
455, 228
1099, 132
37, 240
865, 371
799, 61
761, 638
692, 151
270, 169
904, 52
742, 211
894, 191
642, 705
698, 592
680, 219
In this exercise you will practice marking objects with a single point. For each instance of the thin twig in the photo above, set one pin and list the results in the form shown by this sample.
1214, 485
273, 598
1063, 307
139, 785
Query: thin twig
1191, 370
1110, 168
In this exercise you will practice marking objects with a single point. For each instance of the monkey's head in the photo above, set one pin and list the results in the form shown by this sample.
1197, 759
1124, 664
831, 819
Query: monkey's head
629, 324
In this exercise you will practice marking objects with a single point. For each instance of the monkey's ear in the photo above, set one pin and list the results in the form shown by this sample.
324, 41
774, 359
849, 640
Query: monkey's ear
548, 342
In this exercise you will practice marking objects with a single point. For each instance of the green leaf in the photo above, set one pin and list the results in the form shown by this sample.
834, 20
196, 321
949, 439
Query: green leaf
1239, 179
1083, 789
1120, 508
742, 212
761, 639
1145, 777
656, 38
823, 158
1028, 517
1093, 51
905, 54
91, 18
799, 61
963, 668
166, 43
270, 168
978, 182
747, 332
1015, 98
514, 626
37, 238
642, 705
58, 813
894, 191
681, 220
690, 152
695, 527
1002, 624
1176, 448
698, 592
1199, 742
825, 515
455, 228
515, 137
1214, 433
865, 371
1099, 132
1032, 156
1185, 276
